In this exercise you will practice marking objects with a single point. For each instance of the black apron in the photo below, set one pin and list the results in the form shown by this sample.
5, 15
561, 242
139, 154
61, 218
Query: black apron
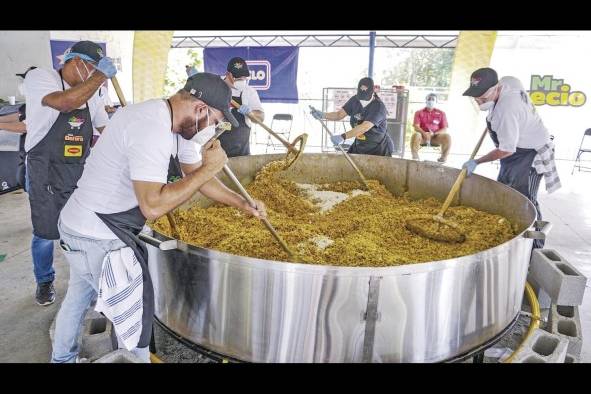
126, 226
516, 171
20, 169
372, 142
54, 166
236, 142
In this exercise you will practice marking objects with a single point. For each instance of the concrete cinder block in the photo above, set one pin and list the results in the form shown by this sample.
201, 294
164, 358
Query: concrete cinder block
561, 280
564, 321
120, 356
543, 297
542, 347
95, 340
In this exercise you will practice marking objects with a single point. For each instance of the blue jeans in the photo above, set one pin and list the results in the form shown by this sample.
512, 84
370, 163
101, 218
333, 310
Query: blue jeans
42, 251
85, 257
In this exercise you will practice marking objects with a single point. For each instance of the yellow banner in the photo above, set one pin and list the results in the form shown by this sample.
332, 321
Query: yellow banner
150, 57
473, 51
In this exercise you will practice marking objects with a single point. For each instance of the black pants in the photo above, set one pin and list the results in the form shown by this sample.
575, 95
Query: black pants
534, 186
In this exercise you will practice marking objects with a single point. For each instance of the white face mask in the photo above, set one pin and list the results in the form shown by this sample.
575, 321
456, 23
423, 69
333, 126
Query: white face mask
203, 136
489, 94
89, 73
364, 103
431, 104
240, 84
486, 106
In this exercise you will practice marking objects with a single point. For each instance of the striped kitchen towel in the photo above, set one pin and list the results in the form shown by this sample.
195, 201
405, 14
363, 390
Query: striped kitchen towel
544, 164
120, 296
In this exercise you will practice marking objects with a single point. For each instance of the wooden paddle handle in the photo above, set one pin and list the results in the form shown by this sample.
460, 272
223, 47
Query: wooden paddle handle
460, 179
264, 126
118, 91
172, 223
252, 203
363, 179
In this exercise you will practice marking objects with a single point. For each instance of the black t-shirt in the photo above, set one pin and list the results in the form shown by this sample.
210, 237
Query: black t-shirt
375, 112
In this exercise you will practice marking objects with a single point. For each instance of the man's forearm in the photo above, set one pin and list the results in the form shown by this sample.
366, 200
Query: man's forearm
215, 190
174, 194
418, 129
16, 127
332, 116
493, 155
71, 99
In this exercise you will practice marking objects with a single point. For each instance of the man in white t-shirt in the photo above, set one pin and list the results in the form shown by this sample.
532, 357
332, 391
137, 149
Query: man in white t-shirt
516, 130
236, 142
126, 180
61, 109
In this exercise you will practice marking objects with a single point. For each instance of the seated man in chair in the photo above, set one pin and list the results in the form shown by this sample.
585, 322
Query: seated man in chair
430, 125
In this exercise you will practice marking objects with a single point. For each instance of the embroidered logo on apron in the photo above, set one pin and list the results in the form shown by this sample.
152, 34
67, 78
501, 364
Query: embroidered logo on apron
73, 145
73, 150
75, 122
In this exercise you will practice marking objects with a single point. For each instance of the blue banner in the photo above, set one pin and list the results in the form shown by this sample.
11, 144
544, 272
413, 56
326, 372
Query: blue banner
58, 47
273, 70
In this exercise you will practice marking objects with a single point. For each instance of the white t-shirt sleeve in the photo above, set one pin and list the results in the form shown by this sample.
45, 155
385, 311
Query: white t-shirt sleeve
99, 117
189, 151
507, 129
39, 83
254, 102
147, 152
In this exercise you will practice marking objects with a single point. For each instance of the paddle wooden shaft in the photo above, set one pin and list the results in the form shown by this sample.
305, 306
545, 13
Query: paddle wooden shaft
118, 90
458, 183
363, 179
252, 203
123, 102
268, 129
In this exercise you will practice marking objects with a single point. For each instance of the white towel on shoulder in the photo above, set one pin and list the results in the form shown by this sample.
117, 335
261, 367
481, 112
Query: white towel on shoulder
544, 164
120, 296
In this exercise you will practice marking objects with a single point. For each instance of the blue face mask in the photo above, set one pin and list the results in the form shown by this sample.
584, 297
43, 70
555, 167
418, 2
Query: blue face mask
430, 104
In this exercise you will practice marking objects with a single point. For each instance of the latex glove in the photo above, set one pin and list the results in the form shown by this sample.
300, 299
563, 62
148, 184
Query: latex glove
316, 114
106, 66
244, 109
337, 139
470, 165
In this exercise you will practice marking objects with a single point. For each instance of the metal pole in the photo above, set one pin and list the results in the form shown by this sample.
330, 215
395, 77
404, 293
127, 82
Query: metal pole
372, 47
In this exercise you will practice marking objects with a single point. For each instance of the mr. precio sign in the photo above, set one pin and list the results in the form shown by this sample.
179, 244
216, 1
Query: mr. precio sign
548, 90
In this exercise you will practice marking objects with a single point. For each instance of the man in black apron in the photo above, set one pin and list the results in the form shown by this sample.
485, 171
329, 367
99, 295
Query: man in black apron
55, 163
515, 129
367, 115
236, 142
155, 134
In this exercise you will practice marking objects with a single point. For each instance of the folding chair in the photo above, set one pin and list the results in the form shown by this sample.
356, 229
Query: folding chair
581, 151
285, 121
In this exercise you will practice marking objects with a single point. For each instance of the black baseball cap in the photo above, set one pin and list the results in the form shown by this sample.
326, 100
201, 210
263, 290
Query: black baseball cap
23, 75
213, 91
238, 68
365, 88
90, 51
480, 81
